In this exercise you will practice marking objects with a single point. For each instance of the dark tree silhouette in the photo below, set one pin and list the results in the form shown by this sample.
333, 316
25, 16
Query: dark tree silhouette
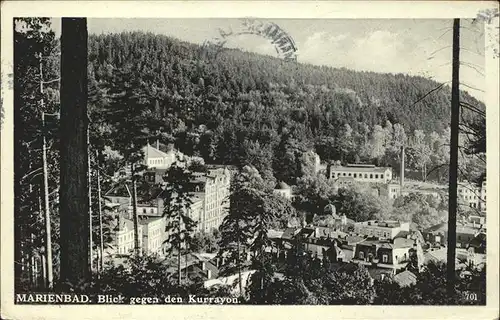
74, 205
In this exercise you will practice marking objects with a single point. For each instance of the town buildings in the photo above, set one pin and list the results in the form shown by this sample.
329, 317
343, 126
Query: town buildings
387, 252
122, 196
151, 235
438, 235
209, 202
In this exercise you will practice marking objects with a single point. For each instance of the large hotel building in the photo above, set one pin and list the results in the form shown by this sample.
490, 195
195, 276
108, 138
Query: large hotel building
210, 202
362, 173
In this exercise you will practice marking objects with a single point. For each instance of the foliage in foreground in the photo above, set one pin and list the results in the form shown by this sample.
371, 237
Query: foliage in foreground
305, 280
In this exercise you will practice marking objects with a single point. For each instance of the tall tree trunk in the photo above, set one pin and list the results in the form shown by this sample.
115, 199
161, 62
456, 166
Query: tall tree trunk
20, 232
238, 259
44, 264
452, 189
179, 252
186, 262
74, 204
48, 233
32, 263
137, 245
91, 242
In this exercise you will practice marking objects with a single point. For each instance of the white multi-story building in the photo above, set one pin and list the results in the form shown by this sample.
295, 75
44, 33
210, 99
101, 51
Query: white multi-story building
196, 211
123, 236
214, 189
122, 196
482, 204
472, 195
381, 229
157, 159
153, 234
362, 173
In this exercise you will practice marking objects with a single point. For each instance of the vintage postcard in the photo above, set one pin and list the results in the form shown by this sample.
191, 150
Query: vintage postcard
249, 160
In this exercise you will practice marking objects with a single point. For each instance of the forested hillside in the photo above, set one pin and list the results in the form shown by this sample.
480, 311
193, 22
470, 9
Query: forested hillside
241, 108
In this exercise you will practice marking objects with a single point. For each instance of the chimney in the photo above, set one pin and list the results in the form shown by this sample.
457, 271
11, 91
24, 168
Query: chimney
344, 219
209, 274
203, 265
402, 169
157, 144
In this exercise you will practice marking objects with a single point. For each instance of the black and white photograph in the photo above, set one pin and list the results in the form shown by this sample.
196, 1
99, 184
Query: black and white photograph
250, 161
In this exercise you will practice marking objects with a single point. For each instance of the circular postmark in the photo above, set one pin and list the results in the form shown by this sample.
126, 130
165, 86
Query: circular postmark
283, 43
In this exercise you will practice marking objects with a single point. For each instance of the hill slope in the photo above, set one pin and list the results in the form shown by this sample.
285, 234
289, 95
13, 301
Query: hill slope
249, 106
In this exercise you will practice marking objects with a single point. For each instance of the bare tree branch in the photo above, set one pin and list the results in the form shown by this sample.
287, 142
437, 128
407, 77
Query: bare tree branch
470, 87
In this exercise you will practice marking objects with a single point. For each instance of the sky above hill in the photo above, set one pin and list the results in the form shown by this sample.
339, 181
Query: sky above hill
409, 46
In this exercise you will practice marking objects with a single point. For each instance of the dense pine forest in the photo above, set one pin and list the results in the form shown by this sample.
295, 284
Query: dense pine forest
241, 108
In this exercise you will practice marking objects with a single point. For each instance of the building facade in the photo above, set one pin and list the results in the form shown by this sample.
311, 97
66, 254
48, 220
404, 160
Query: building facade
381, 229
213, 187
196, 211
123, 242
362, 173
390, 190
482, 203
472, 195
155, 158
437, 236
153, 234
389, 256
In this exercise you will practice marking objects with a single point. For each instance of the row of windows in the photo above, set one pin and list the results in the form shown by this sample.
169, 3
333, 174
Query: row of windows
470, 197
385, 257
212, 224
372, 232
125, 249
155, 161
129, 236
474, 192
361, 255
214, 213
154, 245
360, 175
126, 237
